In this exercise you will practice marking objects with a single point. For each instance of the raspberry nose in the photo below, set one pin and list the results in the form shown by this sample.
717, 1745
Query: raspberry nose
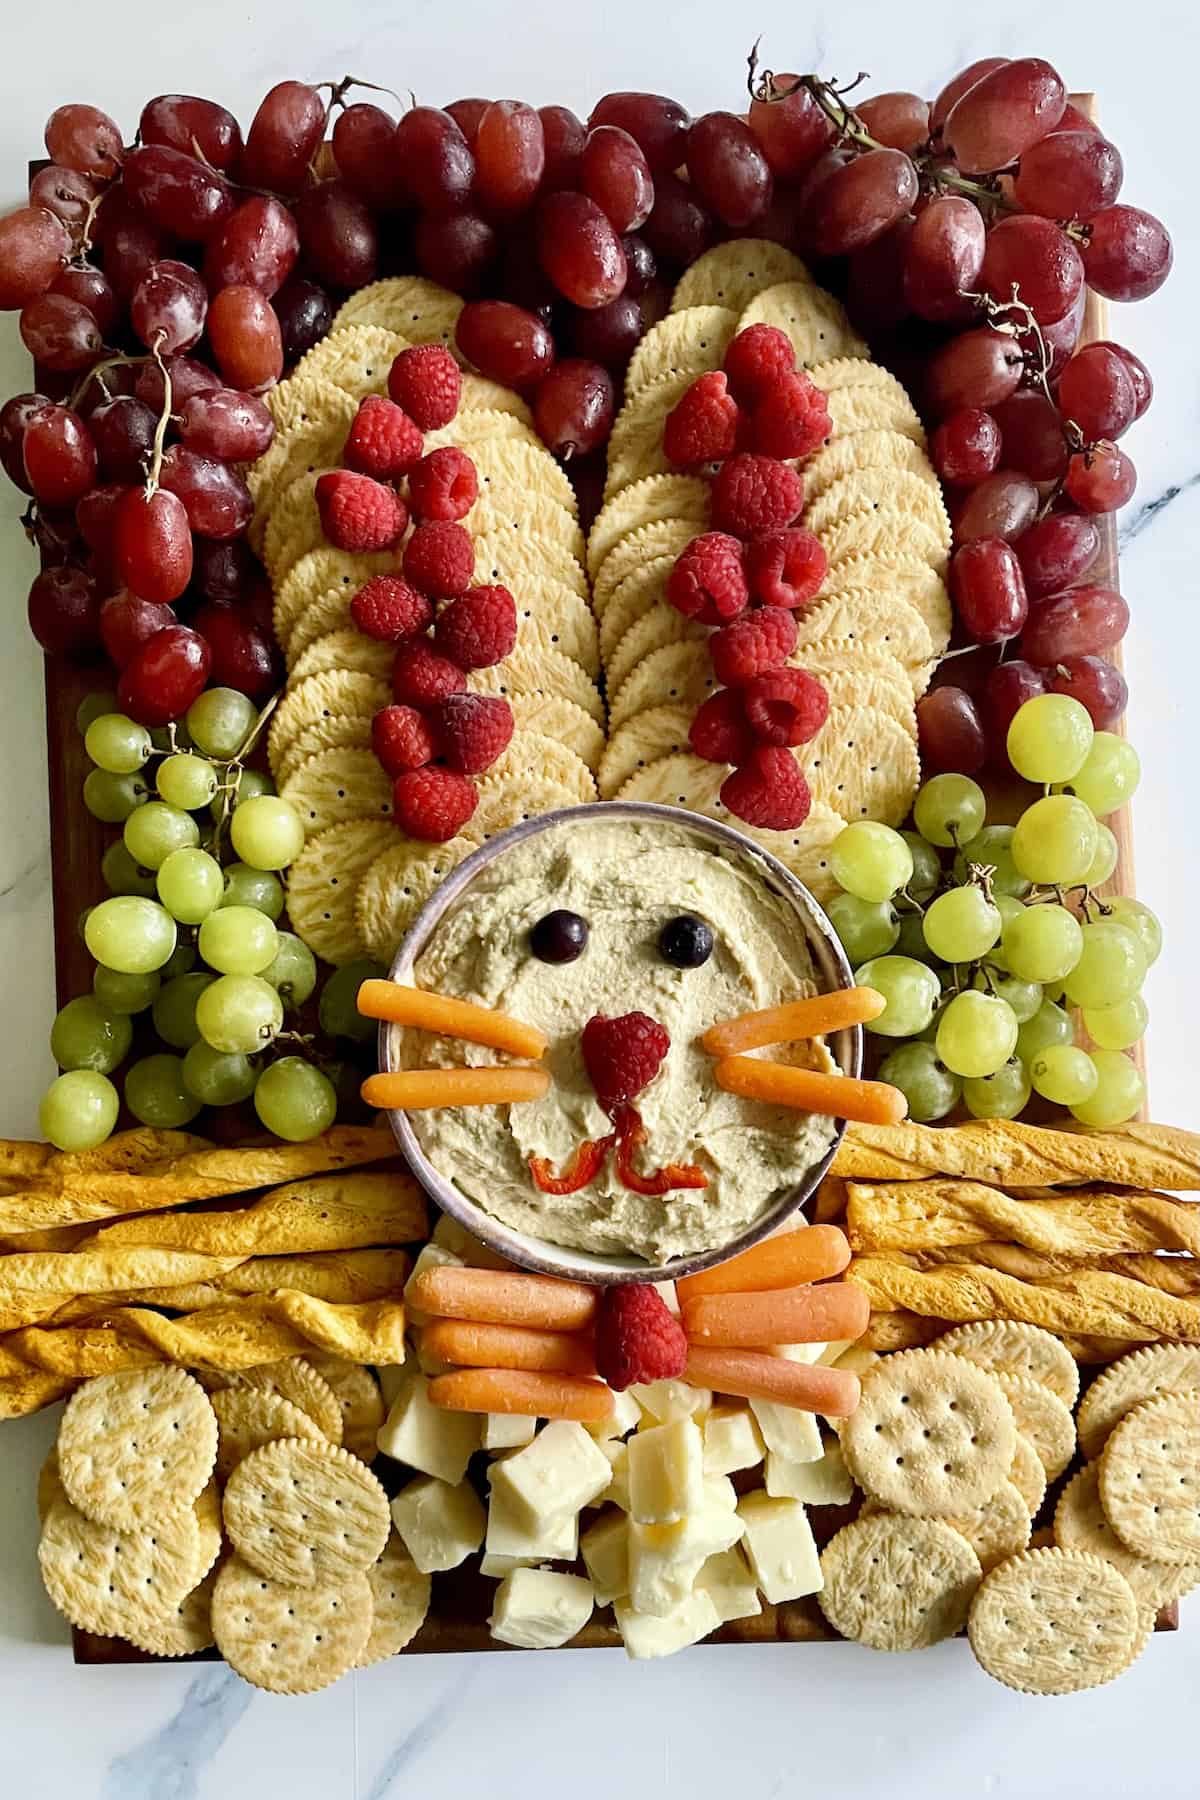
623, 1055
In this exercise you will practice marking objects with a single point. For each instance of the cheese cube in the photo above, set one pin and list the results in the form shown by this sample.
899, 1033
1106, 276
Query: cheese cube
497, 1567
626, 1415
687, 1623
508, 1431
664, 1560
799, 1353
604, 1548
536, 1609
667, 1400
431, 1256
779, 1543
439, 1525
826, 1482
857, 1358
720, 1495
392, 1378
559, 1472
508, 1534
831, 1352
729, 1585
449, 1235
666, 1472
788, 1430
617, 1491
732, 1440
428, 1437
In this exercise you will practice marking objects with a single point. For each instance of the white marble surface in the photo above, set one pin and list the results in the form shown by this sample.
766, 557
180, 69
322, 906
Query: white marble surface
770, 1720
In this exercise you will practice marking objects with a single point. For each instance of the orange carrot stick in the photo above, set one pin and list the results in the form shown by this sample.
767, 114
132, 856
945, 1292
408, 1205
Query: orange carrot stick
841, 1096
509, 1347
420, 1090
798, 1315
489, 1297
811, 1254
756, 1376
798, 1019
537, 1396
450, 1018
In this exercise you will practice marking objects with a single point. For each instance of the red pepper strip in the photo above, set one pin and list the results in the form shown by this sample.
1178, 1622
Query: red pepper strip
585, 1163
630, 1134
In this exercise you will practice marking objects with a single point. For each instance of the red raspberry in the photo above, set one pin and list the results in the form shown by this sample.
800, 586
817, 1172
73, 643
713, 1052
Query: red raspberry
439, 558
479, 629
383, 440
387, 608
755, 493
638, 1337
623, 1055
719, 732
433, 803
426, 382
756, 359
401, 739
786, 568
761, 639
472, 731
359, 514
443, 485
708, 582
791, 419
768, 790
785, 706
421, 677
703, 426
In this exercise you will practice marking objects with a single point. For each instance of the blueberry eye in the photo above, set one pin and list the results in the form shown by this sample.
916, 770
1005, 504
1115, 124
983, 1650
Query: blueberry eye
559, 937
686, 941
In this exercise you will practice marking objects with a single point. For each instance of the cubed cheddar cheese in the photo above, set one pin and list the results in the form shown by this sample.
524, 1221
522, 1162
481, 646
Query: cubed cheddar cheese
439, 1525
645, 1636
562, 1470
788, 1430
508, 1431
779, 1544
604, 1548
730, 1586
666, 1472
732, 1440
509, 1534
663, 1401
538, 1609
428, 1437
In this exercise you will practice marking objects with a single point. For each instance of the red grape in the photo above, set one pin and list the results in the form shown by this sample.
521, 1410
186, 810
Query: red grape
1056, 552
185, 122
283, 138
1139, 374
152, 544
678, 229
951, 732
859, 202
1032, 430
123, 430
60, 457
573, 407
305, 314
337, 235
655, 123
245, 337
1005, 692
728, 169
1057, 341
34, 246
579, 250
1083, 621
792, 131
130, 246
90, 288
256, 247
166, 675
505, 342
466, 115
1069, 175
178, 193
1095, 683
95, 515
64, 612
510, 157
86, 139
126, 623
564, 136
215, 498
1074, 120
1002, 505
1038, 259
523, 280
1128, 254
945, 255
899, 121
962, 84
364, 149
641, 265
456, 249
988, 589
966, 446
60, 334
1100, 479
15, 415
55, 536
168, 307
229, 425
1096, 391
608, 334
188, 377
242, 655
64, 192
436, 159
225, 572
875, 294
1004, 114
979, 369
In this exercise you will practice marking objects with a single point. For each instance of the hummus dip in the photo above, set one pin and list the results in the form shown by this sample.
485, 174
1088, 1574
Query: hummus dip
626, 880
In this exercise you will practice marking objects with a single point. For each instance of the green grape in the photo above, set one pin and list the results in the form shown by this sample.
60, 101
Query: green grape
1049, 738
171, 738
238, 940
93, 707
1064, 1074
1111, 966
338, 1008
926, 877
220, 721
1105, 859
1043, 944
950, 810
910, 992
154, 830
253, 887
123, 875
86, 1034
1137, 917
961, 925
1055, 840
870, 861
927, 1084
130, 934
911, 941
244, 784
239, 1013
187, 781
1117, 1027
1000, 1096
190, 885
977, 1034
114, 798
992, 848
156, 1094
1009, 908
293, 973
181, 960
117, 744
1118, 1094
79, 1110
1025, 997
1110, 775
124, 993
294, 1100
1049, 1025
218, 1079
866, 927
175, 1009
266, 832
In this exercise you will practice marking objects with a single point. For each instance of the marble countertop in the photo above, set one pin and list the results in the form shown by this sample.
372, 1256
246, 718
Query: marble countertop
764, 1720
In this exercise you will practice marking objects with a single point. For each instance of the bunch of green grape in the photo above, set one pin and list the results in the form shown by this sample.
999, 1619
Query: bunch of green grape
190, 937
979, 937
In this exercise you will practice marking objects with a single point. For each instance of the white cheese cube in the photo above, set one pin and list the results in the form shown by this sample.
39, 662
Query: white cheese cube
779, 1543
430, 1256
497, 1567
663, 1401
626, 1415
439, 1525
537, 1609
449, 1235
788, 1430
830, 1352
604, 1548
508, 1431
687, 1623
857, 1358
391, 1380
508, 1534
557, 1474
826, 1482
666, 1472
730, 1586
732, 1440
798, 1353
664, 1560
428, 1437
617, 1491
720, 1495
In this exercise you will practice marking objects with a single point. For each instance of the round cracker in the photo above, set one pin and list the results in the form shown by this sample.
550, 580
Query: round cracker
543, 671
661, 625
114, 1582
1028, 1476
304, 1511
304, 400
400, 1596
871, 407
812, 320
997, 1529
420, 310
207, 1509
296, 1380
1054, 1622
250, 1417
136, 1445
692, 343
518, 558
1041, 1417
896, 1583
864, 450
648, 502
356, 358
933, 1434
896, 493
893, 578
322, 704
511, 509
482, 425
635, 444
659, 731
323, 887
348, 649
867, 532
505, 802
478, 394
856, 618
677, 675
1150, 1478
641, 589
551, 616
532, 754
513, 466
864, 765
863, 677
289, 1639
732, 274
350, 732
357, 1393
186, 1629
555, 717
320, 572
665, 537
1080, 1524
397, 885
1014, 1348
294, 526
335, 786
1157, 1369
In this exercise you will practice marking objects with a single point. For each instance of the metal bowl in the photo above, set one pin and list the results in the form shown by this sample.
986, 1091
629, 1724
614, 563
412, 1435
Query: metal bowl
541, 1254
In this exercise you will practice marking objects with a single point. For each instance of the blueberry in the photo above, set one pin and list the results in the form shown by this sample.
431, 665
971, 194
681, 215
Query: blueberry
560, 937
686, 941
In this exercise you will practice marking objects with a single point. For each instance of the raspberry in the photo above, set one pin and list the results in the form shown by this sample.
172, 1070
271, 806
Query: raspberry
756, 359
479, 629
719, 732
791, 419
760, 640
439, 558
387, 608
708, 582
703, 426
472, 731
401, 739
638, 1337
425, 381
755, 493
785, 706
443, 485
622, 1055
359, 514
383, 440
786, 568
768, 790
433, 803
421, 677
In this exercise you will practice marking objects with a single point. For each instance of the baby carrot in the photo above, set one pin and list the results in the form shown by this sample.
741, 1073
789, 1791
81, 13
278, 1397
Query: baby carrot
811, 1254
797, 1315
782, 1084
798, 1019
490, 1297
509, 1347
448, 1017
536, 1396
419, 1090
756, 1376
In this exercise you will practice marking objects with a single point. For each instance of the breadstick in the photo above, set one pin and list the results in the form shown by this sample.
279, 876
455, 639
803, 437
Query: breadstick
449, 1018
829, 1202
813, 1017
753, 1375
811, 1254
335, 1212
508, 1347
920, 1215
489, 1297
901, 1330
798, 1315
536, 1396
838, 1096
1178, 1275
419, 1090
1009, 1153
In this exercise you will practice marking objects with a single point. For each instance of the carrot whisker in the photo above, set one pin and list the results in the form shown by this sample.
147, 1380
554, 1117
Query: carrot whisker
465, 1019
798, 1019
838, 1096
422, 1090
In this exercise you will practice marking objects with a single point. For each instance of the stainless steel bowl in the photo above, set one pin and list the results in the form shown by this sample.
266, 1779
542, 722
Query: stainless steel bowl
541, 1254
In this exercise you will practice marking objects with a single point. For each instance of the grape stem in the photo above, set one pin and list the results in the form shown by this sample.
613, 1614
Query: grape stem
235, 765
97, 372
158, 448
339, 89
